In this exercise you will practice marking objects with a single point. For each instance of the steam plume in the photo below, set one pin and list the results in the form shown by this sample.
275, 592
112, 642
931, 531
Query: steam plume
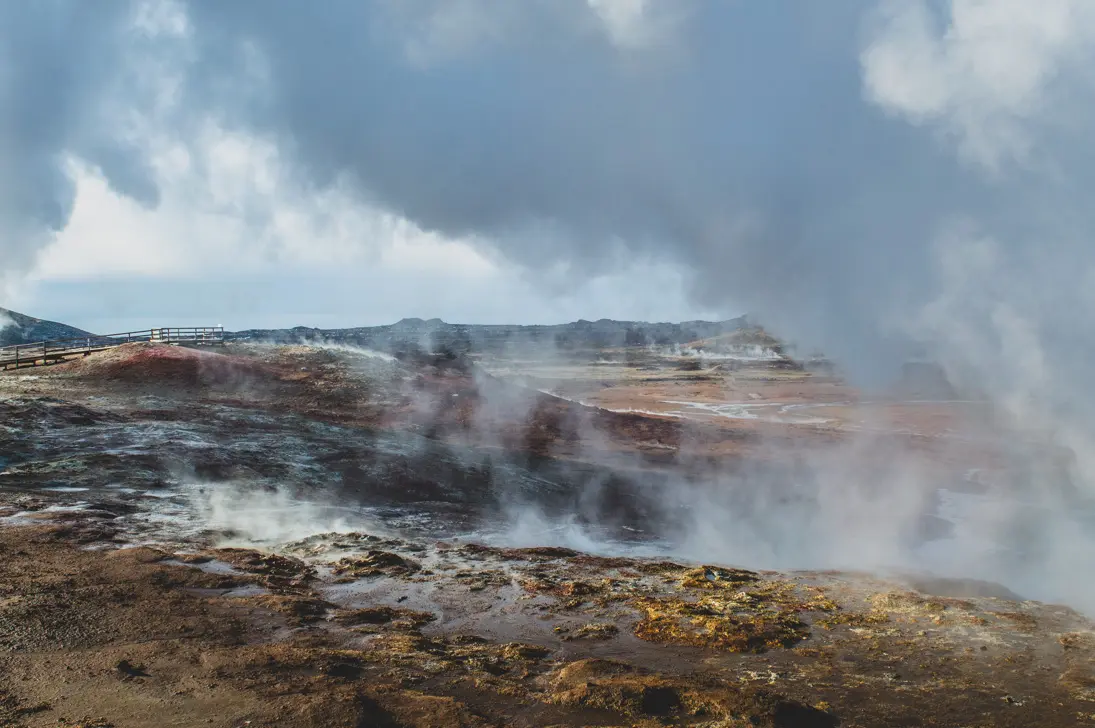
874, 178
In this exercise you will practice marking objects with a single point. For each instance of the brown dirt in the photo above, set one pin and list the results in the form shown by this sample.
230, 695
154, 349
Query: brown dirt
136, 637
443, 635
462, 406
161, 365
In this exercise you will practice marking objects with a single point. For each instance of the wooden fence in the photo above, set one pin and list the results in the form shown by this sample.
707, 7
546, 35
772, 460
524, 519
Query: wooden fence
45, 352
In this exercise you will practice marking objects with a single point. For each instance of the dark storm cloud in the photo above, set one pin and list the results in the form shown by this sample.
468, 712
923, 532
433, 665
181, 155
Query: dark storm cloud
57, 61
748, 142
730, 152
741, 147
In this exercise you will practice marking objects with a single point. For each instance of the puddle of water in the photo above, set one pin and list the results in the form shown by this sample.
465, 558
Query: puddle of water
633, 411
220, 568
71, 508
587, 540
21, 518
782, 412
239, 592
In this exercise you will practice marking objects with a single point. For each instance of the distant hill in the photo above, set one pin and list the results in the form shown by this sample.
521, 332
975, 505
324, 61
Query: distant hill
18, 328
435, 334
746, 336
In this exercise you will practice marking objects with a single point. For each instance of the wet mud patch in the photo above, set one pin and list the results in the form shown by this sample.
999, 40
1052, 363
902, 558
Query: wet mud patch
726, 646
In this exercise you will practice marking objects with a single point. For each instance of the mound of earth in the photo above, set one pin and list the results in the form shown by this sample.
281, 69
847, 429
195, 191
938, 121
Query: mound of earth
745, 337
165, 365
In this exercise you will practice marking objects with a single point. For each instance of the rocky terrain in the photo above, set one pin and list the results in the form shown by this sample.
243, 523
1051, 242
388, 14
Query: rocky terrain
318, 535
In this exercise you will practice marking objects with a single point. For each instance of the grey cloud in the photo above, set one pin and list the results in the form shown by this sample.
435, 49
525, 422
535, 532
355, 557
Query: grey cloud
55, 60
993, 75
760, 146
744, 151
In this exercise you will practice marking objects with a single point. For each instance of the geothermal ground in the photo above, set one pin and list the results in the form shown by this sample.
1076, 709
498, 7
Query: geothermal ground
308, 536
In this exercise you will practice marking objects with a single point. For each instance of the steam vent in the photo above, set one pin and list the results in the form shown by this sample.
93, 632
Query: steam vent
384, 365
436, 524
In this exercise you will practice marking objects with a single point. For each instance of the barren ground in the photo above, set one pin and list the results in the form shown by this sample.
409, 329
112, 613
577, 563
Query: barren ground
295, 536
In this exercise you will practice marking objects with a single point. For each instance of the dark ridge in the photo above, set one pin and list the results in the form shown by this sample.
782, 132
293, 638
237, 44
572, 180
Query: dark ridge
435, 335
18, 328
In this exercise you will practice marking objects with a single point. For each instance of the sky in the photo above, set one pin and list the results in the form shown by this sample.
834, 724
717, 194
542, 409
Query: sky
118, 265
153, 205
869, 177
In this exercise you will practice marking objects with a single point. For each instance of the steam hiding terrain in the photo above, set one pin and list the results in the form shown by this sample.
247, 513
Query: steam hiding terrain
468, 526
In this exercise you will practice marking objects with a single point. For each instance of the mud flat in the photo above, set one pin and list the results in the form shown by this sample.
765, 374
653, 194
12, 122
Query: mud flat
294, 536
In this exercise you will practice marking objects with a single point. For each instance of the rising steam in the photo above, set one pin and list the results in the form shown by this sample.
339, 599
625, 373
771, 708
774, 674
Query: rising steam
876, 179
248, 515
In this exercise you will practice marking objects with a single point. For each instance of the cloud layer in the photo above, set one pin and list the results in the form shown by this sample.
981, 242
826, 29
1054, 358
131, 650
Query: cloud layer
869, 177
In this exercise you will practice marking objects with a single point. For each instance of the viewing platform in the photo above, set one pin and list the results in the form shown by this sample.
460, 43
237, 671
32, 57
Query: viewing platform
48, 352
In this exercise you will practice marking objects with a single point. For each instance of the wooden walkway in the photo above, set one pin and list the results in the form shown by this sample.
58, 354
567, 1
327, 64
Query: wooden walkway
48, 352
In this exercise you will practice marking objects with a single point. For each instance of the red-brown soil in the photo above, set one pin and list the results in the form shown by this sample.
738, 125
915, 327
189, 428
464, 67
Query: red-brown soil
163, 366
370, 630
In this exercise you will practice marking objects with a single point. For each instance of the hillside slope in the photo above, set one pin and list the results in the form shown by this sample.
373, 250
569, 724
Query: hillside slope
18, 328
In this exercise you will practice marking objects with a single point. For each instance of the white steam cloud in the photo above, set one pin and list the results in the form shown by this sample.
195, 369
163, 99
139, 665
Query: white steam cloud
989, 74
871, 178
254, 516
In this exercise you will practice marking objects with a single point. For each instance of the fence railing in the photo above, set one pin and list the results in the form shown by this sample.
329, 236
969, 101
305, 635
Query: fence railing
57, 348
